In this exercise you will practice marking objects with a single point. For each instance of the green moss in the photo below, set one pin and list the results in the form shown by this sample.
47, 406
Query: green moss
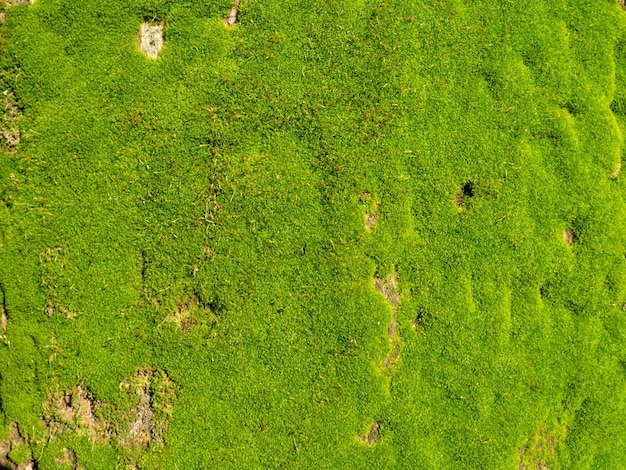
205, 214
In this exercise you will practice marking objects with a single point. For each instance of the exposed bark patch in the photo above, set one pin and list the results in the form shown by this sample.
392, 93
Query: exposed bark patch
231, 18
15, 439
389, 289
150, 394
11, 115
150, 38
10, 3
568, 237
370, 221
372, 209
372, 436
149, 418
76, 411
67, 460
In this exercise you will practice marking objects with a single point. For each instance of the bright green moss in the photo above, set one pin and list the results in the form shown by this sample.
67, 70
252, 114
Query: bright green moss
204, 214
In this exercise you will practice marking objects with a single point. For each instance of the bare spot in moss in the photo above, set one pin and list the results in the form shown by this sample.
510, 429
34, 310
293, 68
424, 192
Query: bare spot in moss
372, 436
67, 460
389, 289
150, 39
76, 411
568, 237
622, 3
11, 114
231, 18
370, 221
17, 442
149, 418
465, 194
540, 451
10, 3
183, 315
372, 209
142, 423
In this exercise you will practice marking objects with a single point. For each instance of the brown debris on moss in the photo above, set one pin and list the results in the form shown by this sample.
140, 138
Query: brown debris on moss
568, 237
372, 436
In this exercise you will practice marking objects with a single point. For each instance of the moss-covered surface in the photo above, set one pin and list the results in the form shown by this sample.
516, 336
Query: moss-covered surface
189, 244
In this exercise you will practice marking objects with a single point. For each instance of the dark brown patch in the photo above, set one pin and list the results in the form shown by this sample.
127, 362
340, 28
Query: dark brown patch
465, 194
568, 237
231, 18
372, 436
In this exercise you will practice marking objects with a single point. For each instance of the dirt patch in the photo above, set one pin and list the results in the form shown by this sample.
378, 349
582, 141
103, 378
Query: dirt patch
15, 439
465, 194
231, 18
149, 418
150, 39
11, 114
183, 315
76, 411
622, 3
568, 237
372, 436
